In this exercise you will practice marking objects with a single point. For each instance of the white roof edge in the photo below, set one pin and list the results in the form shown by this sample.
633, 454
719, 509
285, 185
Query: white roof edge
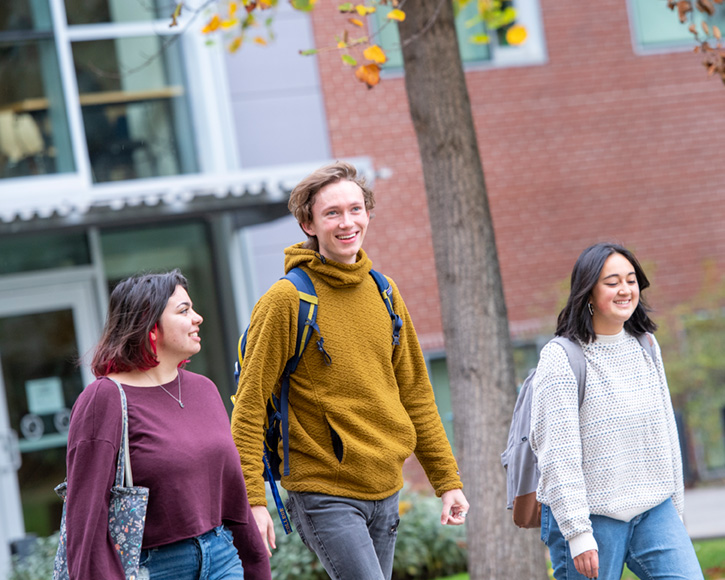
41, 197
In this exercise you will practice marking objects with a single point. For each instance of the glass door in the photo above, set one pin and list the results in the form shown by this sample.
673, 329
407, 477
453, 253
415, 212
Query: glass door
48, 323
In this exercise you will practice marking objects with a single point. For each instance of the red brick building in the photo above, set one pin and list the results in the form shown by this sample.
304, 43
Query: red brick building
601, 142
613, 135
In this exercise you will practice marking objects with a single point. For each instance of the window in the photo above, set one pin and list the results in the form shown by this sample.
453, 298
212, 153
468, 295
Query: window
34, 134
98, 91
655, 27
496, 53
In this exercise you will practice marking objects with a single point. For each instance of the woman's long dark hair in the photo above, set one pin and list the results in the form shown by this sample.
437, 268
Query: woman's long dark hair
574, 320
134, 310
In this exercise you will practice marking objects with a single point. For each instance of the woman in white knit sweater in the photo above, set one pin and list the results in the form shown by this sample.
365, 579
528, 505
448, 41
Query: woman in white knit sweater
611, 482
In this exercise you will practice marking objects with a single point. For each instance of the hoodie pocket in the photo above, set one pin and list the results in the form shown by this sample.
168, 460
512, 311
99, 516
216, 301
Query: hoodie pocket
337, 447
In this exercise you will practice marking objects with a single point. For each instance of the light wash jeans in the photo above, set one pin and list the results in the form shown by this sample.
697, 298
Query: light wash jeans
211, 556
353, 539
654, 545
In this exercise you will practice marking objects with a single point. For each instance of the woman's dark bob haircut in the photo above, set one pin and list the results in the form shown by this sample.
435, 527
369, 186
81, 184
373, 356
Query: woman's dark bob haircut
574, 320
134, 311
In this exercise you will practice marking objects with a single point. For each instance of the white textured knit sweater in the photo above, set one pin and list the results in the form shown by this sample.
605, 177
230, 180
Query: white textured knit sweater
618, 455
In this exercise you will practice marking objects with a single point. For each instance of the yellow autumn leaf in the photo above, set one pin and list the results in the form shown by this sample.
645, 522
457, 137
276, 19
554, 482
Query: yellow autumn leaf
356, 22
363, 10
176, 15
375, 53
260, 41
235, 44
212, 25
516, 35
232, 9
396, 14
230, 23
368, 74
342, 44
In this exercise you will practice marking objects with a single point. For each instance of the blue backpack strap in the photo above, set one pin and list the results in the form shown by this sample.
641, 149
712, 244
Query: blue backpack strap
578, 363
386, 291
306, 324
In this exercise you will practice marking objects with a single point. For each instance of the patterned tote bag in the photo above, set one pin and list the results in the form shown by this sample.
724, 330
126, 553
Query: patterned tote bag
126, 512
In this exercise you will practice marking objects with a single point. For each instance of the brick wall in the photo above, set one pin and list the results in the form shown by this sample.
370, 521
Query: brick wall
597, 144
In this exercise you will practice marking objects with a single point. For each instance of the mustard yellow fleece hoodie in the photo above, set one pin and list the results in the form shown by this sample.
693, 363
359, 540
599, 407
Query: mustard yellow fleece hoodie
377, 399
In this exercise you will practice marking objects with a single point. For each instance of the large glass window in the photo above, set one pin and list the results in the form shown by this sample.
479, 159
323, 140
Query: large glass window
93, 87
135, 112
34, 135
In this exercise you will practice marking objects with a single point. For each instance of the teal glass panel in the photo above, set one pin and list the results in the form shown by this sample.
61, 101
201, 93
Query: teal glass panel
44, 251
657, 26
102, 11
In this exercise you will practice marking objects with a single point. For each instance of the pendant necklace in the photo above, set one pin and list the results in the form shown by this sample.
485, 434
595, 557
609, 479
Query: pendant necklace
178, 400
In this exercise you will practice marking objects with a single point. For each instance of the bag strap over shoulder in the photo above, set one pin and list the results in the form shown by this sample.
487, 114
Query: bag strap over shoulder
306, 324
386, 291
648, 344
123, 462
576, 360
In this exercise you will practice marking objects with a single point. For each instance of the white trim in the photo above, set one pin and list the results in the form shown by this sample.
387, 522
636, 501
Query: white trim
70, 91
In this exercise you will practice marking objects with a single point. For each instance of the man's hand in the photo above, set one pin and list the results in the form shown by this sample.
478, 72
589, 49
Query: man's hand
587, 563
265, 525
455, 508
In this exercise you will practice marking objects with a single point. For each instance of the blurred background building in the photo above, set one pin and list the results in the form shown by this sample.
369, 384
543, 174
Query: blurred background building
127, 146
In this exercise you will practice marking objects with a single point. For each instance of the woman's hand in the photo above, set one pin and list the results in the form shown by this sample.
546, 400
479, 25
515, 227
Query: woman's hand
587, 563
265, 525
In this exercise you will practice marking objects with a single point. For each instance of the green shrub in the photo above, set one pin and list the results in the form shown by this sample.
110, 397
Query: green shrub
39, 564
424, 550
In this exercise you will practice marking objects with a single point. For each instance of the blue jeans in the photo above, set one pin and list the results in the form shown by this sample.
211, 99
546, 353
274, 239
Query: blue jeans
654, 545
211, 556
352, 538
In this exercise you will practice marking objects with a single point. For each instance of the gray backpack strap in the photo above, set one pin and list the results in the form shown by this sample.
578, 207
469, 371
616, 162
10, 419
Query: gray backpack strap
648, 344
577, 361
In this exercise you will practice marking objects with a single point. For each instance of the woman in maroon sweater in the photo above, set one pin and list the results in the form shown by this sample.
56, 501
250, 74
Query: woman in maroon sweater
198, 523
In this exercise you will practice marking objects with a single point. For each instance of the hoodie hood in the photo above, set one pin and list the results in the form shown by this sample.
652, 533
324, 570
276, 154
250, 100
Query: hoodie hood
333, 273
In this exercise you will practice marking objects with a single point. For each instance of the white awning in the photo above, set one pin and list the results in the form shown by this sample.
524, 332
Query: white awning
61, 201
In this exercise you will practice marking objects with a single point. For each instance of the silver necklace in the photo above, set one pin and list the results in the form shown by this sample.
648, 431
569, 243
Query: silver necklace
178, 376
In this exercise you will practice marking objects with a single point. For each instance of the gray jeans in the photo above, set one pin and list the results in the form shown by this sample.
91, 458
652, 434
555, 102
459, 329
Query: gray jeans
353, 539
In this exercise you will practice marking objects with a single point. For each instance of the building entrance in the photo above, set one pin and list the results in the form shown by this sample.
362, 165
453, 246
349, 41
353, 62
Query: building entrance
48, 322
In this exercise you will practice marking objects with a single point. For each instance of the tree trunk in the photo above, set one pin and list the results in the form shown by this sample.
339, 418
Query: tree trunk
478, 347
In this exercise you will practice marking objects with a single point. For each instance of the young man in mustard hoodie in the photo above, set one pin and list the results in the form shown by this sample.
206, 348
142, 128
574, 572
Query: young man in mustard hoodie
354, 417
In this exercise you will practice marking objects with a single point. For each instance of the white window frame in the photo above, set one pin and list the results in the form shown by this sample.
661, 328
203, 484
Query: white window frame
210, 111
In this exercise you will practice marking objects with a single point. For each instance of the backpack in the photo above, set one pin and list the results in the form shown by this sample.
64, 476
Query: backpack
519, 461
277, 415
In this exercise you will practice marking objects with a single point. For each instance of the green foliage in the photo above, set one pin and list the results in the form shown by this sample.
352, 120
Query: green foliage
39, 564
424, 550
692, 338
